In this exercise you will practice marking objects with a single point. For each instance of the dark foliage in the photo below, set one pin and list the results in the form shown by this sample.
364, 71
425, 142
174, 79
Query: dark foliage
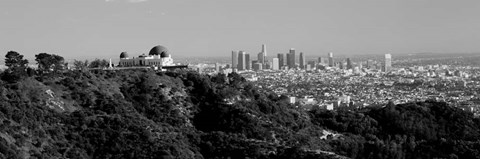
17, 67
48, 63
414, 130
97, 63
182, 114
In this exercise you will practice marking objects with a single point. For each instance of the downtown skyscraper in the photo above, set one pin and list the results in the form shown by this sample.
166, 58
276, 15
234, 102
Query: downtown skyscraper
241, 61
291, 58
275, 64
262, 55
302, 61
234, 59
281, 61
387, 65
330, 59
261, 58
320, 60
349, 64
248, 62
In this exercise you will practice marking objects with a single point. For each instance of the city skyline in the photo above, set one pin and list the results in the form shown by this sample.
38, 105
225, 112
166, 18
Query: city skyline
192, 28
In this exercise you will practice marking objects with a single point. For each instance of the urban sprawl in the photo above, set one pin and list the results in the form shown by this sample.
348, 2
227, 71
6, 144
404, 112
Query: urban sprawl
333, 83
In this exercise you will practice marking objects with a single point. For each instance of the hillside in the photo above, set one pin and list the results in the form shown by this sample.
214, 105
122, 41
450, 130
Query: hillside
146, 114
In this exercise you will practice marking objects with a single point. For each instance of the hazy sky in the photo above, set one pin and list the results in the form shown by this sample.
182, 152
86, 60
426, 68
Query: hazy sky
104, 28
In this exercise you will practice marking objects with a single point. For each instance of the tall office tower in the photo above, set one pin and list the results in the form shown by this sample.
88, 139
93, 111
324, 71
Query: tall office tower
253, 64
388, 63
320, 60
330, 59
275, 64
281, 63
241, 61
302, 61
264, 50
291, 60
288, 60
267, 66
349, 64
248, 62
312, 64
257, 66
234, 59
260, 58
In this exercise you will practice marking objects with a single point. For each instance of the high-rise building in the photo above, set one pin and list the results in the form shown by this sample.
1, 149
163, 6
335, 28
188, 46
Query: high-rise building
261, 58
257, 66
291, 58
302, 61
330, 59
234, 59
241, 61
388, 63
320, 60
349, 64
248, 62
275, 64
312, 64
288, 60
267, 65
264, 50
281, 62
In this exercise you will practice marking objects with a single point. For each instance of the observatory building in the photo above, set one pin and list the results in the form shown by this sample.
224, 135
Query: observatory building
158, 57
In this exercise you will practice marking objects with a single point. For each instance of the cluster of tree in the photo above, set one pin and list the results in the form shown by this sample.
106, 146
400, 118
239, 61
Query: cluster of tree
183, 114
97, 63
414, 130
17, 67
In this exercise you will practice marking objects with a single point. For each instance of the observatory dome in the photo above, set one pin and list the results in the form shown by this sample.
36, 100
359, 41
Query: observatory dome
123, 55
159, 50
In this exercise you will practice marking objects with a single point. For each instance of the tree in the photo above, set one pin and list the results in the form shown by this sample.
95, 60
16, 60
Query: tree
97, 63
79, 65
49, 62
17, 67
14, 59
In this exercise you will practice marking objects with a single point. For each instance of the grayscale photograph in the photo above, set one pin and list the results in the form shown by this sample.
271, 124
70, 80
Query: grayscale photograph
240, 79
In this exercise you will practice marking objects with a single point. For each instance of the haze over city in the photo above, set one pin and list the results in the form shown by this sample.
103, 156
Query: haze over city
104, 28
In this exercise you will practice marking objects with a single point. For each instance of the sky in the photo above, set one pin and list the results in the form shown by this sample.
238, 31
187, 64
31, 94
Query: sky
79, 29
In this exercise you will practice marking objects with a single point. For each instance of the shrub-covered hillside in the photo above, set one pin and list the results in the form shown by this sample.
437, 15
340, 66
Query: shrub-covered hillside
144, 114
182, 114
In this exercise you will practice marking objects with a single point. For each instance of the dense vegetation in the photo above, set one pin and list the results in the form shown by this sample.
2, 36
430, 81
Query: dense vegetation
54, 113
